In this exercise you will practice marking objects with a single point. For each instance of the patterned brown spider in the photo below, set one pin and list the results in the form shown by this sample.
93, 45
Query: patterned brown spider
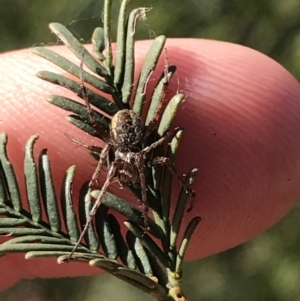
125, 157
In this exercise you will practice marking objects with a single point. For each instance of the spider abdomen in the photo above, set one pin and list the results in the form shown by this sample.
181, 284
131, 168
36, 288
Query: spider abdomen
126, 128
127, 170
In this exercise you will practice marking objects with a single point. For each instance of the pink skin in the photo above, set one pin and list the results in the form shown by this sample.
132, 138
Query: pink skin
241, 120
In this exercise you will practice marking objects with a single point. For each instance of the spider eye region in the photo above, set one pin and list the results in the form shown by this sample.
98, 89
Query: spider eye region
126, 128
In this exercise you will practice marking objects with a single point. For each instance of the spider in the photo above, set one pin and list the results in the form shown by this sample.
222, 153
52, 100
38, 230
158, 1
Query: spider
125, 157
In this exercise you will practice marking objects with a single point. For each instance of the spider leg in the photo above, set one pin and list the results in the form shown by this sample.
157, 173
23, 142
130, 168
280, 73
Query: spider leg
92, 119
85, 96
103, 156
141, 170
108, 181
167, 162
91, 148
155, 144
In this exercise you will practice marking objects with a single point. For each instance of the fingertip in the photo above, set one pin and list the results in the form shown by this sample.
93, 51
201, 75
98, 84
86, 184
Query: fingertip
240, 118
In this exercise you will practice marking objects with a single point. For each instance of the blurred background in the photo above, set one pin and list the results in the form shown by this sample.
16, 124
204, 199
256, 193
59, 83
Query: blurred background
267, 267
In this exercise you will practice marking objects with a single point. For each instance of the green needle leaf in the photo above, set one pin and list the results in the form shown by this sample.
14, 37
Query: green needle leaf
148, 243
90, 237
71, 68
22, 231
140, 254
63, 256
129, 211
95, 99
48, 192
31, 179
170, 113
127, 85
12, 222
121, 38
185, 242
77, 108
66, 200
25, 247
132, 277
10, 177
159, 93
37, 239
98, 41
107, 38
125, 254
180, 208
105, 233
77, 48
149, 65
81, 124
168, 176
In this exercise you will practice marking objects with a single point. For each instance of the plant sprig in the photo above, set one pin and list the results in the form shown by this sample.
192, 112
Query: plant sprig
151, 261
